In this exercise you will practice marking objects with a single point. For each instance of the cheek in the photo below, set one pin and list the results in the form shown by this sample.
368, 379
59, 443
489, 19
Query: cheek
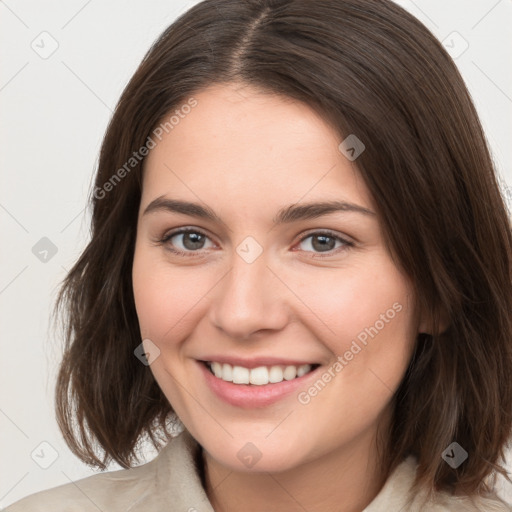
365, 319
348, 302
166, 298
364, 315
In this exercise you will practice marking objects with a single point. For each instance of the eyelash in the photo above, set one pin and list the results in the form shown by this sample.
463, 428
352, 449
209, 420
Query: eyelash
346, 244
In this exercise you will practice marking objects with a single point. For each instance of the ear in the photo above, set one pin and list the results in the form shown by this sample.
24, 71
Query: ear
426, 323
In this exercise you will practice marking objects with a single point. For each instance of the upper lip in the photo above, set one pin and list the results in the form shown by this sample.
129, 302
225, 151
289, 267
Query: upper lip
254, 362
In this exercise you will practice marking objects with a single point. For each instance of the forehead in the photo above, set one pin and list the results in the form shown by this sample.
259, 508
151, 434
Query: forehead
239, 144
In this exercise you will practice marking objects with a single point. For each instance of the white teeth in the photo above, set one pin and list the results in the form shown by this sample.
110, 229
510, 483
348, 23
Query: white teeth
227, 372
240, 375
302, 370
259, 376
290, 372
217, 369
275, 374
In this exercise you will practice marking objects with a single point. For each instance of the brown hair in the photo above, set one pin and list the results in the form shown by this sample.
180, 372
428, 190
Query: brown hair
372, 70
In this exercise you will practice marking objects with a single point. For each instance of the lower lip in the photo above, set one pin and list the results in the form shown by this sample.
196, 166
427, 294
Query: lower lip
250, 396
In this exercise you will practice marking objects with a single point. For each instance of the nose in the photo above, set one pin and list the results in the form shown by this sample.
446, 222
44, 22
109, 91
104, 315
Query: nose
249, 299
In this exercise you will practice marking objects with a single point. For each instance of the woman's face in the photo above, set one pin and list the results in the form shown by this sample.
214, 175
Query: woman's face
267, 282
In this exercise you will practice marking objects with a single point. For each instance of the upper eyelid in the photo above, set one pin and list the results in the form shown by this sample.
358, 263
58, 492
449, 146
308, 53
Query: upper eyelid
325, 231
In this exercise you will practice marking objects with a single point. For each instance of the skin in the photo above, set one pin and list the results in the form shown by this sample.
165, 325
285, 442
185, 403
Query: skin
247, 154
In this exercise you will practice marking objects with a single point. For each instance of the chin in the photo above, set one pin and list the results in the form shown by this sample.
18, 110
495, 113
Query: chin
257, 453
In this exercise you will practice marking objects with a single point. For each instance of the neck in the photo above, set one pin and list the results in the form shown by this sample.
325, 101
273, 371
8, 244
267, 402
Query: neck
344, 480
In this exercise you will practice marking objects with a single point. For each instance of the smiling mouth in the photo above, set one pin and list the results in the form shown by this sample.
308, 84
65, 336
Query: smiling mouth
260, 376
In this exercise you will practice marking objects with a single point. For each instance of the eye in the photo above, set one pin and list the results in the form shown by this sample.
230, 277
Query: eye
192, 241
324, 242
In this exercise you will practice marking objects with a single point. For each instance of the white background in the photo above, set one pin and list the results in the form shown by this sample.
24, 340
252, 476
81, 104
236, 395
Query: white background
55, 112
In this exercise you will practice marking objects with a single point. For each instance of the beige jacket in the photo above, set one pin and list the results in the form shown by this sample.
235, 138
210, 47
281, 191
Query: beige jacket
171, 483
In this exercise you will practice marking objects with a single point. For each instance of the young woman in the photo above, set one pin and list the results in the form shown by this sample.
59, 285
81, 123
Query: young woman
300, 254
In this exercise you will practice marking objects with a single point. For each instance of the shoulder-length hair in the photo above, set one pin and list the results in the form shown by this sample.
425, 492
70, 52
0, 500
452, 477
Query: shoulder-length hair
373, 70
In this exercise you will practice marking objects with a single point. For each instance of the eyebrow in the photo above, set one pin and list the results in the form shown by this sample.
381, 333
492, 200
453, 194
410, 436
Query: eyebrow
286, 215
